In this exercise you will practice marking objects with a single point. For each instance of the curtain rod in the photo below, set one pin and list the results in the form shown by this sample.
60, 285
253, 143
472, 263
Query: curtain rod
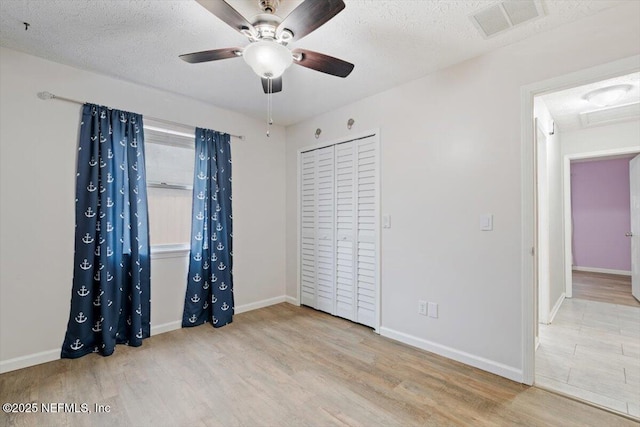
48, 95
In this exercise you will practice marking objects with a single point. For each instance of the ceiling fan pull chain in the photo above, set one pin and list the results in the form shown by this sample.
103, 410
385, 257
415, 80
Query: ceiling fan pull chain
269, 105
268, 99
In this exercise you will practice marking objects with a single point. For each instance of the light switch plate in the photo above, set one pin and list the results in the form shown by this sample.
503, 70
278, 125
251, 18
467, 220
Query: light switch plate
386, 221
486, 222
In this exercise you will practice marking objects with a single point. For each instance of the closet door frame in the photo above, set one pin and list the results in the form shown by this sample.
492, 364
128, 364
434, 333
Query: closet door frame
375, 135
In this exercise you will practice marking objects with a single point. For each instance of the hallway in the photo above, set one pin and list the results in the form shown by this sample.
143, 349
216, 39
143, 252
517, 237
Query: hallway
592, 348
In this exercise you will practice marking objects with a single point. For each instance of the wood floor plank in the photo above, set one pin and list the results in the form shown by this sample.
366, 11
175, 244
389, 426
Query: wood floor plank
284, 366
611, 288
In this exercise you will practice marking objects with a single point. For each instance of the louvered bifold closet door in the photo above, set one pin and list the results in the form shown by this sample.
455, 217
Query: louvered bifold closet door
346, 230
339, 229
325, 247
308, 228
367, 224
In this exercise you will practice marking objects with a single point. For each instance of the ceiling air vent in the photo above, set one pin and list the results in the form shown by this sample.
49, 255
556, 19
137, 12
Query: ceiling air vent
611, 115
505, 15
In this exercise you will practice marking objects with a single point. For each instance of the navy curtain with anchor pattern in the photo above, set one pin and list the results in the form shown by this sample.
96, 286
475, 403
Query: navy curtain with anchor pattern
110, 299
209, 295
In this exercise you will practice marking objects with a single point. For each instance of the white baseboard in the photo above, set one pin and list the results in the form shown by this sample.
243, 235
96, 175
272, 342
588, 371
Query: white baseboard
172, 326
602, 270
259, 304
497, 368
170, 251
166, 327
29, 360
292, 300
51, 355
556, 307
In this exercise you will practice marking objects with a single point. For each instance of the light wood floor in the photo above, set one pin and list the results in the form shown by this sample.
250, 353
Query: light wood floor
611, 288
280, 366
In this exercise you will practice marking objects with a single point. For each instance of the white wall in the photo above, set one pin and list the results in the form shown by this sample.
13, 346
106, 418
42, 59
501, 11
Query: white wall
38, 143
543, 142
550, 219
601, 138
450, 151
556, 227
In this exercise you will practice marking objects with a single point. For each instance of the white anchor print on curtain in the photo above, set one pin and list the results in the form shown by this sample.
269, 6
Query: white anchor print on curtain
209, 296
110, 298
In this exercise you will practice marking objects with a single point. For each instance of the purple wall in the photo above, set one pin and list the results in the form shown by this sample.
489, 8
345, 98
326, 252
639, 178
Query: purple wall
600, 204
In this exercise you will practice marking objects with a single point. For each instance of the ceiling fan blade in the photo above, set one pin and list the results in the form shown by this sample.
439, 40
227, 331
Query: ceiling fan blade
211, 55
323, 63
310, 15
227, 14
276, 85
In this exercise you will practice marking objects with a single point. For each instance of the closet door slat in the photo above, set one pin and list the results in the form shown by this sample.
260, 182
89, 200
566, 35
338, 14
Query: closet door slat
367, 229
346, 230
325, 225
308, 277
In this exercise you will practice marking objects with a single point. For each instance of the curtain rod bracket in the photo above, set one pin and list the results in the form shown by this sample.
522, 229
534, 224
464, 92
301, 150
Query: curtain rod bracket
45, 95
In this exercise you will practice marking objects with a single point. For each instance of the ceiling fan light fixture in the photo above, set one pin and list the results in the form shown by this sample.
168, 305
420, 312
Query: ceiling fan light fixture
606, 96
268, 59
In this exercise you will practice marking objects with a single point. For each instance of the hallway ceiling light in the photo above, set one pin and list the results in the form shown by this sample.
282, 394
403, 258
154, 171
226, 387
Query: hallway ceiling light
607, 95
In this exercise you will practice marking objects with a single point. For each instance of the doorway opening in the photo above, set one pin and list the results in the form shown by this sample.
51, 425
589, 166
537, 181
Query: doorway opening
588, 345
598, 246
566, 346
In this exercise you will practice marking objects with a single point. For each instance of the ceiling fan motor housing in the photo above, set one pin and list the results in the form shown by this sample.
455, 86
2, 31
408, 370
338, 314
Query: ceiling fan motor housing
265, 26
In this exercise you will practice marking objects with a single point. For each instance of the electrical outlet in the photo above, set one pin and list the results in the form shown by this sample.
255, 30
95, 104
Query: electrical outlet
422, 307
433, 310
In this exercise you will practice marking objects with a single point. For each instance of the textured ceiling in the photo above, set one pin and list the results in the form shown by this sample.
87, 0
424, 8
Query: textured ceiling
565, 106
390, 42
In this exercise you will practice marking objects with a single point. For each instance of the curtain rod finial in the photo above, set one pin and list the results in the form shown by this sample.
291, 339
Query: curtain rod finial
45, 95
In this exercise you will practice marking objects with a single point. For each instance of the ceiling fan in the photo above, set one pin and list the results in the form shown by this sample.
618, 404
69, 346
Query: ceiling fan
268, 34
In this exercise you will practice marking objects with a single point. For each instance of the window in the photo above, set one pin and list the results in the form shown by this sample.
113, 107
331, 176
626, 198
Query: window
169, 160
